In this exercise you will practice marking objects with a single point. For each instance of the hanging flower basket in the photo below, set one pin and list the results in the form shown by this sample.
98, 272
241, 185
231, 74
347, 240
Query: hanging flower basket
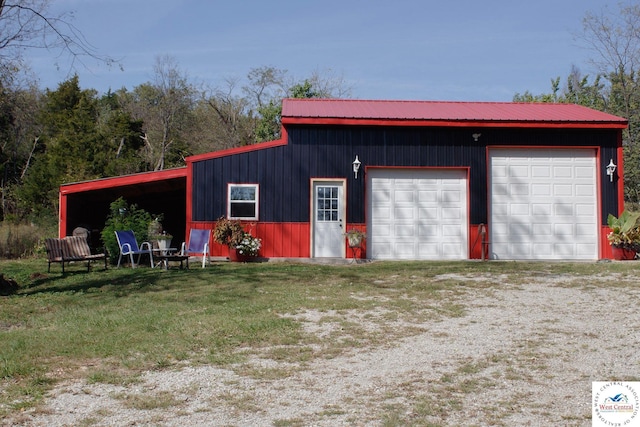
242, 245
355, 238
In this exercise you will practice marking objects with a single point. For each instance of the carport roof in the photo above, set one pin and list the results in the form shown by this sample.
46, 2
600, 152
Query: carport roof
441, 113
168, 179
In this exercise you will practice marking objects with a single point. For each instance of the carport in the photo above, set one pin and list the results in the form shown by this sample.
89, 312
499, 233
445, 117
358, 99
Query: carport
86, 204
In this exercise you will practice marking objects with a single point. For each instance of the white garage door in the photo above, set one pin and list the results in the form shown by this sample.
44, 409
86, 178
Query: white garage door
417, 214
543, 204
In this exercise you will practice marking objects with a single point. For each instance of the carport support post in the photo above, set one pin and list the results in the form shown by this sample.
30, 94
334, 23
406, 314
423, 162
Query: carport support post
62, 215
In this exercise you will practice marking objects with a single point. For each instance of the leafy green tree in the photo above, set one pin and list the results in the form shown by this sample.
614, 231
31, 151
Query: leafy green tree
268, 86
19, 139
70, 133
81, 138
121, 136
67, 148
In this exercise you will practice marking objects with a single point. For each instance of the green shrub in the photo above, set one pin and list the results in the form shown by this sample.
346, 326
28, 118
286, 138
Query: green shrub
123, 216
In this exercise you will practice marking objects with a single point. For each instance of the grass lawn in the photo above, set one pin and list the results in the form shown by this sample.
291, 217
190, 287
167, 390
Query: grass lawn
109, 326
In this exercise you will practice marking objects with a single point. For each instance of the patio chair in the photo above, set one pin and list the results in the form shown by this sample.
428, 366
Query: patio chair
129, 246
198, 244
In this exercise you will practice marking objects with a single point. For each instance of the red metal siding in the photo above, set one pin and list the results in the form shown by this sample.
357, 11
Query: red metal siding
279, 240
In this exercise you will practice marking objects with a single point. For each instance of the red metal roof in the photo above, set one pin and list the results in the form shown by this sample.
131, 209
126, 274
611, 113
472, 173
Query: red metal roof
445, 113
124, 180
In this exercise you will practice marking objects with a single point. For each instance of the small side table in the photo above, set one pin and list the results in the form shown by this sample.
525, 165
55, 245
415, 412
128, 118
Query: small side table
166, 258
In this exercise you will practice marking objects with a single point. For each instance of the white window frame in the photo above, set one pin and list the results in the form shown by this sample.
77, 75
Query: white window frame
256, 201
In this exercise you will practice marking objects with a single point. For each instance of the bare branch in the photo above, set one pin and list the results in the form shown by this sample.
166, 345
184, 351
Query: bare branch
33, 149
27, 24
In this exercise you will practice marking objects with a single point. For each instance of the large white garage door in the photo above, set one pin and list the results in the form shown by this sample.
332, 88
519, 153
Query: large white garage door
417, 214
543, 204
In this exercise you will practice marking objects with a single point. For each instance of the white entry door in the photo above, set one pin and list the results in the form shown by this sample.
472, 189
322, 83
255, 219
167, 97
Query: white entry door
328, 218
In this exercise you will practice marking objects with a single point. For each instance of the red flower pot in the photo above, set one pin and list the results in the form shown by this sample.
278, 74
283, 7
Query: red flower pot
623, 253
235, 256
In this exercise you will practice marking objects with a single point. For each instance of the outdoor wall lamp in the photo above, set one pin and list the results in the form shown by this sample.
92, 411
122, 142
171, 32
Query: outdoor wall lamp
611, 168
356, 166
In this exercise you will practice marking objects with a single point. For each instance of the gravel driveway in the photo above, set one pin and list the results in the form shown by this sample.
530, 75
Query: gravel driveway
521, 354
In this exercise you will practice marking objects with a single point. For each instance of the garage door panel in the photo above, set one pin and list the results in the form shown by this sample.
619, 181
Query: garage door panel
543, 230
452, 214
541, 190
428, 231
563, 172
383, 230
404, 230
518, 171
403, 214
584, 230
520, 209
541, 209
584, 172
427, 218
549, 214
383, 212
452, 196
451, 251
403, 251
404, 196
430, 196
543, 250
562, 190
586, 250
518, 190
584, 190
540, 171
430, 214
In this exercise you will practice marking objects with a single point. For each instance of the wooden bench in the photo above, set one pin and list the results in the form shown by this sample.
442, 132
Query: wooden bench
71, 248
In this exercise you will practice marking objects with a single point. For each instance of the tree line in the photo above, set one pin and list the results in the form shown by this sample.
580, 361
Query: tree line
70, 134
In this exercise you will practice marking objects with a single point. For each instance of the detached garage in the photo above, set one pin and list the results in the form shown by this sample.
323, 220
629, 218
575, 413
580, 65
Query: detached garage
424, 180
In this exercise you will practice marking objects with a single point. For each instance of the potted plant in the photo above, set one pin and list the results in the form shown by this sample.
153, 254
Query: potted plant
355, 237
163, 240
157, 233
624, 236
248, 247
241, 244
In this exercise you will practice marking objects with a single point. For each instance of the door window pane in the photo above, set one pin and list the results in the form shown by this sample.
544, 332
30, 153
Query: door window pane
327, 204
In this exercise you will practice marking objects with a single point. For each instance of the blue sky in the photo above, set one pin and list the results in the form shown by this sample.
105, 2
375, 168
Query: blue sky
457, 50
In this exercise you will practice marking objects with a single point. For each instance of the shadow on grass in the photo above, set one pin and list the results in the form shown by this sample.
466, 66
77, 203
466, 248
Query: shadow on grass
125, 281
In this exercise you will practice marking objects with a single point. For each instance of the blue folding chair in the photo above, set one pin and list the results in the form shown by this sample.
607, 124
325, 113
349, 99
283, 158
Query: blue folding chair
129, 246
198, 244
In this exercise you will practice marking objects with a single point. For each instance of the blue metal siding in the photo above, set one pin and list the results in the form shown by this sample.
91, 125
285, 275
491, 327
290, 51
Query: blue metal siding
283, 172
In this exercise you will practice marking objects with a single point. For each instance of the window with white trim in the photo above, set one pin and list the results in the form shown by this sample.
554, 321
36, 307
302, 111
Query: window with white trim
242, 201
